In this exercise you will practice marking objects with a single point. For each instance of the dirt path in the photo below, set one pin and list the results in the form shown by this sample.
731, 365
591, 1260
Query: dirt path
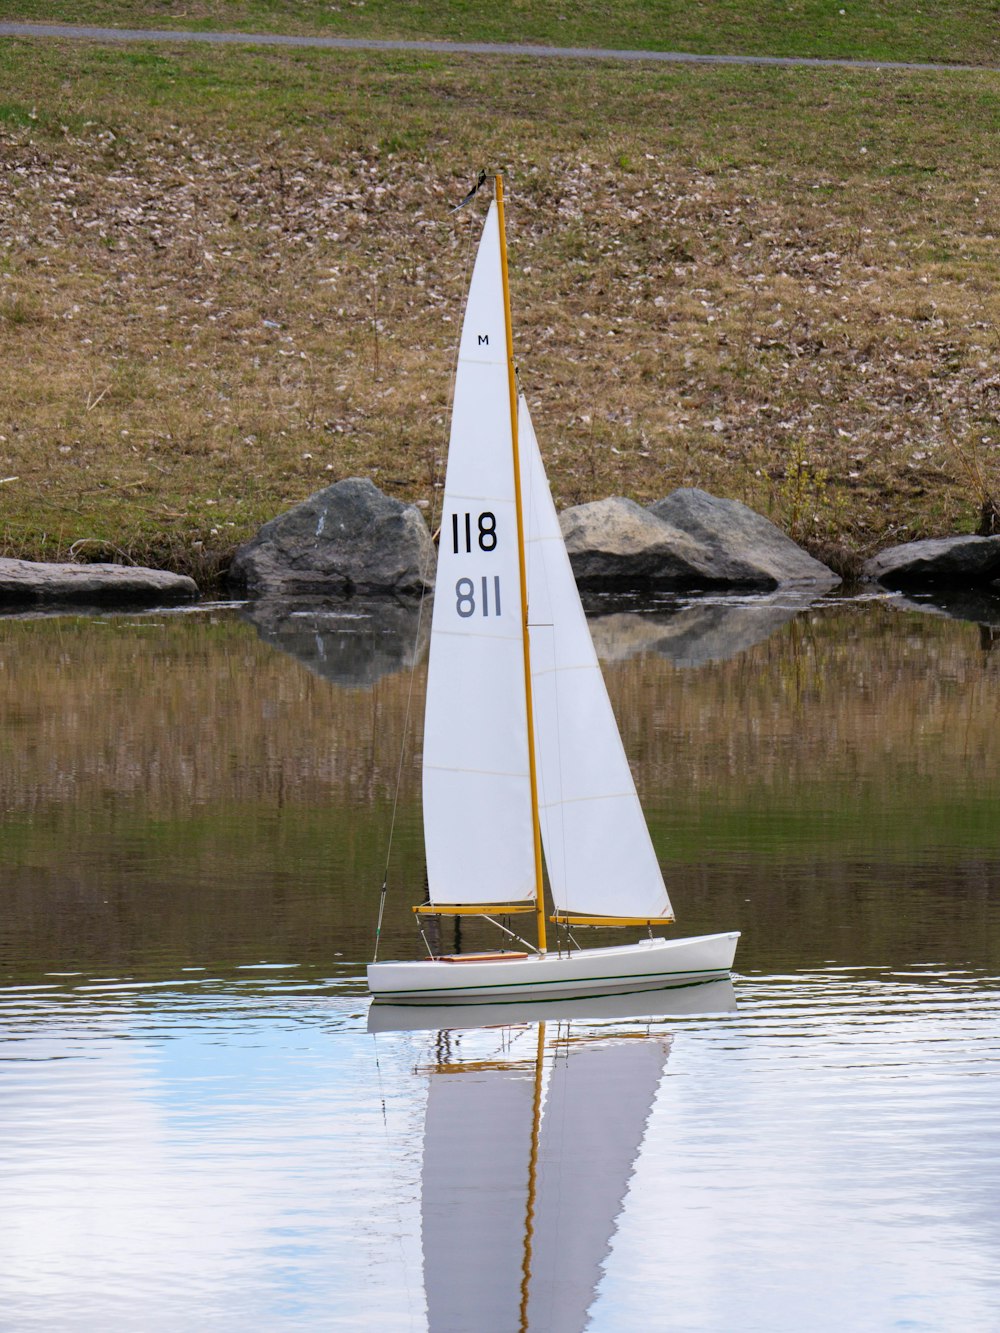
96, 34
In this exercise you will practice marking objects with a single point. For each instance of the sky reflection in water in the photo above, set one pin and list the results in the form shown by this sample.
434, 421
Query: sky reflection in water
824, 1157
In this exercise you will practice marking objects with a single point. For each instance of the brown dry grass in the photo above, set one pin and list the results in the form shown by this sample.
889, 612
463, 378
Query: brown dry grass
230, 278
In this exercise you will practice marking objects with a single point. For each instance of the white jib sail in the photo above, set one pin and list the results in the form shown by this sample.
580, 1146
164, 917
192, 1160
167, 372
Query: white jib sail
598, 851
477, 799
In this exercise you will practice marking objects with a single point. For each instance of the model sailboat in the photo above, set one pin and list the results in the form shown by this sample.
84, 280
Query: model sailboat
521, 746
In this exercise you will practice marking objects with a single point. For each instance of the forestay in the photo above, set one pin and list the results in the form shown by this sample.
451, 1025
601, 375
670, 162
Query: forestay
477, 801
598, 851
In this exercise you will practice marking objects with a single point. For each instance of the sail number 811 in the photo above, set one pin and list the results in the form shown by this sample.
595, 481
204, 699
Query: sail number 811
489, 600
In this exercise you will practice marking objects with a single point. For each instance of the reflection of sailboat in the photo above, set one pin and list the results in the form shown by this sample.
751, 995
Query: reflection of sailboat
524, 1177
521, 746
711, 997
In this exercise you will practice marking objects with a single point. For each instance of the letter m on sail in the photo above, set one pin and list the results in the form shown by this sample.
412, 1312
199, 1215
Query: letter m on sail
484, 338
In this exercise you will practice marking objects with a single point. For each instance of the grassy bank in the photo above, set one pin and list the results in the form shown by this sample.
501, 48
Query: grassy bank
229, 277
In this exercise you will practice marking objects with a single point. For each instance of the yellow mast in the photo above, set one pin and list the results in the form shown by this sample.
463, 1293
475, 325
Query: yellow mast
512, 385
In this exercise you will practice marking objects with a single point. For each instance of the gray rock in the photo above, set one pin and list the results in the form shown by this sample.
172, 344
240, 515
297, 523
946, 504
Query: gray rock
353, 643
944, 560
617, 542
689, 540
743, 547
347, 539
25, 581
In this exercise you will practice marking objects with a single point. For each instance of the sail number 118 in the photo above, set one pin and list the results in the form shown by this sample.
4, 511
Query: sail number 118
461, 532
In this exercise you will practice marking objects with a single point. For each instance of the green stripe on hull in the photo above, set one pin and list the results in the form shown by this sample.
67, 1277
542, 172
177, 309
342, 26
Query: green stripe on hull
398, 997
707, 973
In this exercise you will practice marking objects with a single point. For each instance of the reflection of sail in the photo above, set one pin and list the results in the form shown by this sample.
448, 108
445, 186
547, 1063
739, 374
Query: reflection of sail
598, 1102
520, 1193
474, 1194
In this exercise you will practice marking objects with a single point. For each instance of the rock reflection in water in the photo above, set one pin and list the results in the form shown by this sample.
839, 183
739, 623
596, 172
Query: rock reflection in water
356, 643
693, 633
353, 643
980, 606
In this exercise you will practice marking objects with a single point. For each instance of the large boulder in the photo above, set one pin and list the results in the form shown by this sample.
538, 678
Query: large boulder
347, 539
616, 542
743, 548
27, 582
958, 561
689, 540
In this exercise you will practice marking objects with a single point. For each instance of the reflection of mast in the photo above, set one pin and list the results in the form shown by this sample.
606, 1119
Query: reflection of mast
529, 1213
525, 1175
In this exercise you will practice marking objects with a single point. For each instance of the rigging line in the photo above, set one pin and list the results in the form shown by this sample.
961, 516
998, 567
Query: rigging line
513, 934
517, 458
535, 567
555, 805
434, 526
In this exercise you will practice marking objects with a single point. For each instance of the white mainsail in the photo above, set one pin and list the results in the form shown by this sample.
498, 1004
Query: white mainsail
598, 851
476, 788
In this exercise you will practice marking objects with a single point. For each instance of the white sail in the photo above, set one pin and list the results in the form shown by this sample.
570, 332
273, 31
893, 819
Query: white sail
598, 851
477, 801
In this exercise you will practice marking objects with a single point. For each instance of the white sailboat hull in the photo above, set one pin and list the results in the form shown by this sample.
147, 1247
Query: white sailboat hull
622, 969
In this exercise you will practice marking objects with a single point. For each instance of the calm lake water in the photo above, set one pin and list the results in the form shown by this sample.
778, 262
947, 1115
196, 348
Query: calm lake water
199, 1129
